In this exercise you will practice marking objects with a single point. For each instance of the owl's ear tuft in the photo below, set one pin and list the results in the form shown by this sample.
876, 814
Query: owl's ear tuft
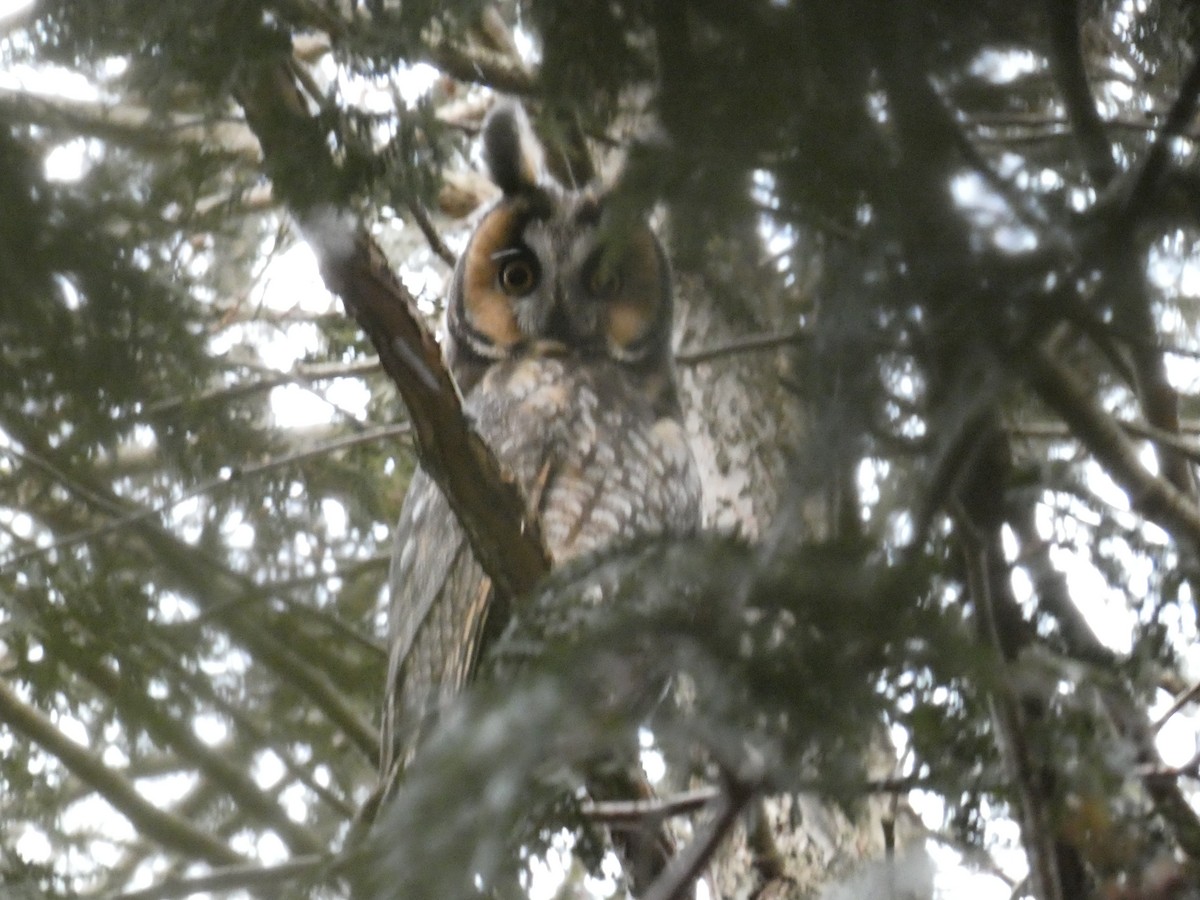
511, 150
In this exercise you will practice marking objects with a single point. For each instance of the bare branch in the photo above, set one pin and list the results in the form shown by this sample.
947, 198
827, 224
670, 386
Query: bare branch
421, 216
692, 356
638, 812
503, 535
1188, 696
676, 882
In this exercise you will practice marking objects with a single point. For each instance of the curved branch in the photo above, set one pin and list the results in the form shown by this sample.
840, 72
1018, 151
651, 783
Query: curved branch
1067, 64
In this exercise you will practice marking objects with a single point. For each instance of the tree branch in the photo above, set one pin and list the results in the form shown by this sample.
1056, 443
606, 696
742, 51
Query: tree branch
436, 244
306, 373
1145, 180
1068, 66
1188, 696
218, 591
479, 65
503, 535
168, 732
1124, 277
1168, 799
1152, 496
692, 356
168, 830
638, 812
1009, 718
676, 882
232, 878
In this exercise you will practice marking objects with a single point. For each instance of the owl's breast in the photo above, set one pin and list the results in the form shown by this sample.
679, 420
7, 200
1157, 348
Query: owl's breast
587, 447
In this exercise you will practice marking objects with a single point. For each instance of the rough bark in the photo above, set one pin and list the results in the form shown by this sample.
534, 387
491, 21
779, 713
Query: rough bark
744, 421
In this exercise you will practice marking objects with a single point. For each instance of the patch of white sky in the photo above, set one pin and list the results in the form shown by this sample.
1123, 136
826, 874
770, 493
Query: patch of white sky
1173, 268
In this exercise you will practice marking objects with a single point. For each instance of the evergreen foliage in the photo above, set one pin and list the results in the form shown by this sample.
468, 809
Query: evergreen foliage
972, 232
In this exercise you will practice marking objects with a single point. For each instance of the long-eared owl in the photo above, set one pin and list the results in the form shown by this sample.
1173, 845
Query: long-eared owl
558, 331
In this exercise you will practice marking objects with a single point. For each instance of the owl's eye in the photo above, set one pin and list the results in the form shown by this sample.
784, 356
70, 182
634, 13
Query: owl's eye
603, 281
518, 276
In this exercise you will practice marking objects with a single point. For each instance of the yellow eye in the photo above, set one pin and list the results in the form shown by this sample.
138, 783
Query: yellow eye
603, 281
518, 276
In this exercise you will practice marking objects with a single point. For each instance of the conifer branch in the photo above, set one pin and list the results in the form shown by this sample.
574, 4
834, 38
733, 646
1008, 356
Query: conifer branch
503, 535
171, 733
1149, 494
168, 830
233, 878
219, 591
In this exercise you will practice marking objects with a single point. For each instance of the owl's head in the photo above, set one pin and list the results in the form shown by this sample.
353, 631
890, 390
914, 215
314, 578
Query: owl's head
549, 271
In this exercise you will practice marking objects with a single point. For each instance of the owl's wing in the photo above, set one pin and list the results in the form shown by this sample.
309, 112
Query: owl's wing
439, 600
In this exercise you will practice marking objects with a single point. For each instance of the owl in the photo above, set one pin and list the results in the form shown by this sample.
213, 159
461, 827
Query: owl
558, 331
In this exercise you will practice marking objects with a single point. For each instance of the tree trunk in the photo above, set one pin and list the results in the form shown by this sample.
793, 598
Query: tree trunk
744, 422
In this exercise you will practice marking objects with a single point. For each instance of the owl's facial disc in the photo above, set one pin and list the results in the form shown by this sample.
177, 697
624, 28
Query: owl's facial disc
553, 271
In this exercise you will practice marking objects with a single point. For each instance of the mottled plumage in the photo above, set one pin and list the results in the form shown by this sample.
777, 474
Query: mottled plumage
558, 331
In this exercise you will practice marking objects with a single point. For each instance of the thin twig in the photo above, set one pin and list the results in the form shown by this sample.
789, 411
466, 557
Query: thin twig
1057, 431
233, 878
636, 812
692, 356
302, 374
1149, 494
1180, 702
676, 882
125, 519
421, 217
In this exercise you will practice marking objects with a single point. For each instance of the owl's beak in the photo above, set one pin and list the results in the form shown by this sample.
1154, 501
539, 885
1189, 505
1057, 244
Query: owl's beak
549, 347
558, 328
